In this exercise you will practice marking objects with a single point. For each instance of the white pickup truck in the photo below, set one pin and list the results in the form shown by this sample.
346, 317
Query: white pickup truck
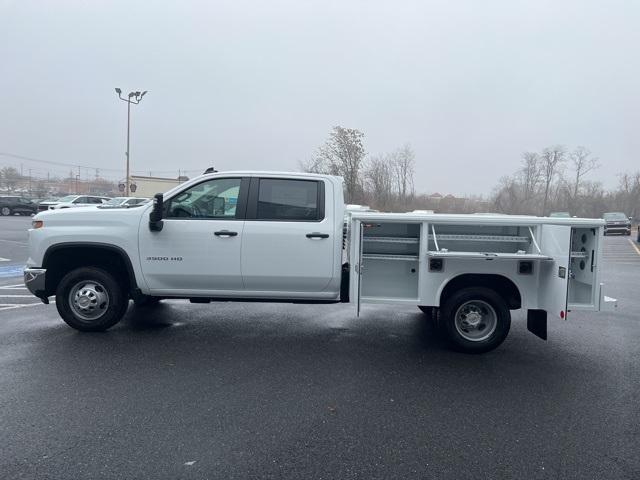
265, 236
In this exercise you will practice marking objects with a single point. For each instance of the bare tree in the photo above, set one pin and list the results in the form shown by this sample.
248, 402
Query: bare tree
627, 198
380, 181
342, 154
10, 177
531, 174
552, 159
582, 163
506, 195
403, 161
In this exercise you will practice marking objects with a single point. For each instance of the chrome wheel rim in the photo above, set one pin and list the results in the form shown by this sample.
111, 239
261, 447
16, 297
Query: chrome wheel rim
89, 300
476, 320
5, 211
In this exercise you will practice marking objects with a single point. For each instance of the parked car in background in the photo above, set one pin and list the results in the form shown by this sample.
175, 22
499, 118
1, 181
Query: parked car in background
11, 205
71, 201
617, 222
126, 201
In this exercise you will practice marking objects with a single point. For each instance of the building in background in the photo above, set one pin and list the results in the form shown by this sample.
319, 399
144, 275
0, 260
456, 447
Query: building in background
149, 186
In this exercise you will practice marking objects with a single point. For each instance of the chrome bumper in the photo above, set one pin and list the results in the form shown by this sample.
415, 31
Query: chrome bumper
34, 279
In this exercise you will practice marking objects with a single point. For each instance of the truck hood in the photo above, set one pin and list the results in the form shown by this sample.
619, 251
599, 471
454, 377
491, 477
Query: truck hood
89, 215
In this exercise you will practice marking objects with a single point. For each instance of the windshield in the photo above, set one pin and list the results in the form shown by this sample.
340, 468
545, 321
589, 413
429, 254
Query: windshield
615, 216
68, 198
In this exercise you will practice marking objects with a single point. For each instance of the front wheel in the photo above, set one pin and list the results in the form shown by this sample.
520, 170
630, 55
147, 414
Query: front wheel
91, 299
5, 211
475, 320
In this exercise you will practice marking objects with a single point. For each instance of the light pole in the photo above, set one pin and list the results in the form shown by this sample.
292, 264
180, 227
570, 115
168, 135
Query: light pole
135, 98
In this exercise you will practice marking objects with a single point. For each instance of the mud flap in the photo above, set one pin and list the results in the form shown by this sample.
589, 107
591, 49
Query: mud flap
537, 323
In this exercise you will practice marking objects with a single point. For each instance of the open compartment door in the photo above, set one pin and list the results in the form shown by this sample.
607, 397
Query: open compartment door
553, 281
584, 281
355, 254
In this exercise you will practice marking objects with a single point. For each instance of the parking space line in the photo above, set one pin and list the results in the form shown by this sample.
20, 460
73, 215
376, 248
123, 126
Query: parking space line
10, 306
2, 259
14, 241
635, 247
16, 296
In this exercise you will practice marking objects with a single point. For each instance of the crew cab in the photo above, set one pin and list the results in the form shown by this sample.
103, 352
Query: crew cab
265, 236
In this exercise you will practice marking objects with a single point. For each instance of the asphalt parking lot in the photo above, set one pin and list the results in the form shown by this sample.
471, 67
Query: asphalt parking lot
296, 391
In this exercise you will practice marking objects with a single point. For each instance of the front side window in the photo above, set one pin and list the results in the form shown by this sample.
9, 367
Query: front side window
216, 198
80, 200
287, 200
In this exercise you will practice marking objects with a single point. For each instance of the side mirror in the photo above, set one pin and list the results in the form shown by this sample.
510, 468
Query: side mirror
155, 217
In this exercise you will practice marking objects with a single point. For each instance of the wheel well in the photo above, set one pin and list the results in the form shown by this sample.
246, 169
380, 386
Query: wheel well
501, 285
61, 259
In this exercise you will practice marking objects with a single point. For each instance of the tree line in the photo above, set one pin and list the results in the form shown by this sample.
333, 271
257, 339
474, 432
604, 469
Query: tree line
559, 179
383, 181
552, 180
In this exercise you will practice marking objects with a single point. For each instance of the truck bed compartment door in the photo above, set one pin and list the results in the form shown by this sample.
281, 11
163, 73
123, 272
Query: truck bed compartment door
553, 281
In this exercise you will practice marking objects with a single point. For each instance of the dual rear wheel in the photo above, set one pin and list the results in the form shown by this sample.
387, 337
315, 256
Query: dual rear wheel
472, 320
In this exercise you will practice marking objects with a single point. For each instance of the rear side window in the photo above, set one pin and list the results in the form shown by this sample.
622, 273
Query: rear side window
288, 200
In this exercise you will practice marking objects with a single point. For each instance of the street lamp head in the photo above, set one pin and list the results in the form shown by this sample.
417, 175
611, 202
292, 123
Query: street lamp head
137, 94
131, 94
143, 94
118, 91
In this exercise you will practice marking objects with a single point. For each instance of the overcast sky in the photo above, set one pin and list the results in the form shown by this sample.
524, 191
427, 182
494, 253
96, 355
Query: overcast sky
259, 84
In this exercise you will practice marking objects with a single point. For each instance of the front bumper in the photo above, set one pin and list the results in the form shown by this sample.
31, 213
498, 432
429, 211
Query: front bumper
617, 228
34, 280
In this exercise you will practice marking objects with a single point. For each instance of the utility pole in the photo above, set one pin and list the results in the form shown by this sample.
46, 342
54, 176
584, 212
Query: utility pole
29, 182
135, 98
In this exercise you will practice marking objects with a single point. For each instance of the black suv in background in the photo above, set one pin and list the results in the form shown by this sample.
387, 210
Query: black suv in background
616, 222
10, 205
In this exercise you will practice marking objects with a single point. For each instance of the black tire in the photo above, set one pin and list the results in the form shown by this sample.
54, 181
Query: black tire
483, 303
97, 282
6, 211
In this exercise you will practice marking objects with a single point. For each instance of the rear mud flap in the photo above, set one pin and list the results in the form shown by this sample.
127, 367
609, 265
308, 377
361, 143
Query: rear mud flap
537, 323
